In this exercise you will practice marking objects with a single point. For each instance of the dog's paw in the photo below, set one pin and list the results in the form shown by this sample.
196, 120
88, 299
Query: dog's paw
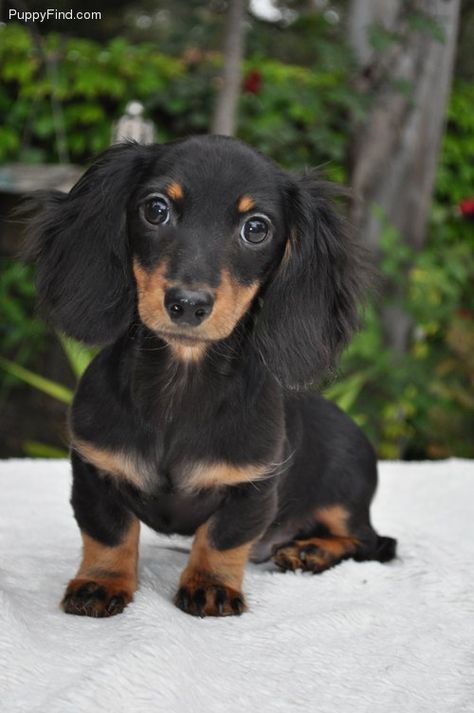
307, 557
96, 598
201, 597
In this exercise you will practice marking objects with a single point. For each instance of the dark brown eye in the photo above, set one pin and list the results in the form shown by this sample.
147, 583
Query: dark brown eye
157, 211
255, 230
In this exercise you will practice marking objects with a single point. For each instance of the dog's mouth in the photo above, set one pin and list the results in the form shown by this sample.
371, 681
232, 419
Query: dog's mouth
185, 338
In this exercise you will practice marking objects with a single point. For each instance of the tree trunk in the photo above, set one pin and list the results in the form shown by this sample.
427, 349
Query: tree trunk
225, 113
395, 152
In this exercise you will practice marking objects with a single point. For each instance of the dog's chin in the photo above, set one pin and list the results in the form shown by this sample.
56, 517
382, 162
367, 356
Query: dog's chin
184, 338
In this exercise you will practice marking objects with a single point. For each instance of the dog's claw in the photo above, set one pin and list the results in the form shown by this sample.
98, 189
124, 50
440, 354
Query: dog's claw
116, 605
181, 599
220, 599
237, 605
200, 602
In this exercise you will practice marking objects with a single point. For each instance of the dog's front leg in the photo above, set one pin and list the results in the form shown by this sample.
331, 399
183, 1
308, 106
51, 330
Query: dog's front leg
107, 576
211, 584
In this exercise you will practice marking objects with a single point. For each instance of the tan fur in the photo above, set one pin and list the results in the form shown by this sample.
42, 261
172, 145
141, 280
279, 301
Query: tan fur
224, 567
209, 475
151, 287
151, 290
232, 300
117, 463
315, 553
175, 191
246, 203
100, 561
335, 519
113, 570
287, 254
331, 548
188, 353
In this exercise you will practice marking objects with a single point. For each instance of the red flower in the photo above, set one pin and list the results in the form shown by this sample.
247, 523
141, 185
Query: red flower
466, 208
253, 82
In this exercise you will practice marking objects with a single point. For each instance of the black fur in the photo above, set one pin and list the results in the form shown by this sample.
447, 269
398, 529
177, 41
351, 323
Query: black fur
310, 307
80, 244
171, 396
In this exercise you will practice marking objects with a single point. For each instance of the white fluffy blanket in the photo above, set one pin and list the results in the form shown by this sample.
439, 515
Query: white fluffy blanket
359, 638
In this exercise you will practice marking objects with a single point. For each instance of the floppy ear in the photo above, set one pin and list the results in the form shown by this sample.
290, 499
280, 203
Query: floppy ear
80, 245
309, 307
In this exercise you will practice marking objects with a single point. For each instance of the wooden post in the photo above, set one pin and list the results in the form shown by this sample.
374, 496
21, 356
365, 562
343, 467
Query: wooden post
225, 113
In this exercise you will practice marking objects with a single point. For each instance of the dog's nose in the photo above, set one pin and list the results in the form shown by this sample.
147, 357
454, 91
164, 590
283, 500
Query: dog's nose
188, 307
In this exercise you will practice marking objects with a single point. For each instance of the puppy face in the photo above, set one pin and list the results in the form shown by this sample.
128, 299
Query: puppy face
188, 237
206, 228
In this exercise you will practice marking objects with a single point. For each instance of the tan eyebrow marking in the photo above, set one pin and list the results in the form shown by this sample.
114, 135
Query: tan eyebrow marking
246, 203
175, 191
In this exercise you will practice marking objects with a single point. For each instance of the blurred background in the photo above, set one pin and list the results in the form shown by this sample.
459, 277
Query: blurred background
378, 93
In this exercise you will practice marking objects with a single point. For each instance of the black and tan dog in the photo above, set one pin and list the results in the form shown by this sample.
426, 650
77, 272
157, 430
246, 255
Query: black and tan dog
217, 281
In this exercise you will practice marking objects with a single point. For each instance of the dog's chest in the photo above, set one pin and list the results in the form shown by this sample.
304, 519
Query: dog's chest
175, 497
153, 472
170, 511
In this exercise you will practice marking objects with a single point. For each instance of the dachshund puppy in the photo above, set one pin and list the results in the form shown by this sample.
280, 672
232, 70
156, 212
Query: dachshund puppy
220, 286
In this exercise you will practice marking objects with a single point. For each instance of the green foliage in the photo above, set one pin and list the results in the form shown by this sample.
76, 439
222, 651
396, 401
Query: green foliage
33, 449
298, 116
52, 388
79, 358
427, 24
92, 82
21, 334
380, 38
422, 403
455, 176
401, 399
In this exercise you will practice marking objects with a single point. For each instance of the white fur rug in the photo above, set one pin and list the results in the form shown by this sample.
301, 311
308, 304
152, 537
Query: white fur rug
359, 638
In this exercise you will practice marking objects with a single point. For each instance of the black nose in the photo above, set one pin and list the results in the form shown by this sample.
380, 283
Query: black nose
188, 307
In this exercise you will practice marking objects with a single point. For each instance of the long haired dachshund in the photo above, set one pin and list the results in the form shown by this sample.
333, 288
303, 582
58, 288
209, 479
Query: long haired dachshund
220, 286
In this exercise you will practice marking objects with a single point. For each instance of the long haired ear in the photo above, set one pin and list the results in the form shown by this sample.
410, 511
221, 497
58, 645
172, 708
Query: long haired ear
309, 307
80, 245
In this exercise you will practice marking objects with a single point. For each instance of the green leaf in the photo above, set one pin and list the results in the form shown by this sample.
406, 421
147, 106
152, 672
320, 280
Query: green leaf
79, 357
57, 391
43, 450
346, 391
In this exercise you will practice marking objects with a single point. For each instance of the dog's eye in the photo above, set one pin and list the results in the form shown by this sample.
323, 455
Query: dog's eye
255, 230
157, 211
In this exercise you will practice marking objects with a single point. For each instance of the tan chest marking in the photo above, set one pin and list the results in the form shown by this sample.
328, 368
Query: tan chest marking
121, 465
211, 475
